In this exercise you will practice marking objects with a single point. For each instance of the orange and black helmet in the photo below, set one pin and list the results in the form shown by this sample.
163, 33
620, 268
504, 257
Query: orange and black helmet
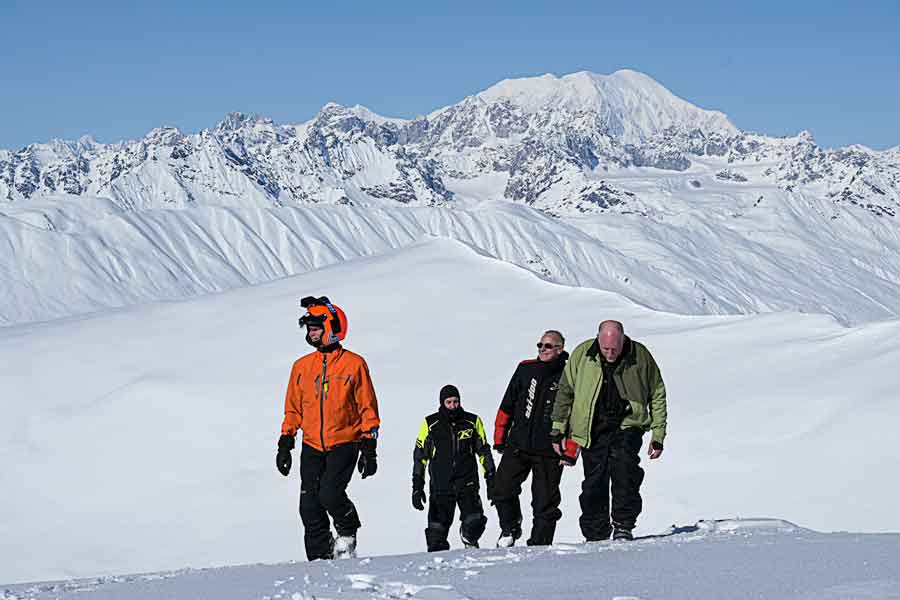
320, 311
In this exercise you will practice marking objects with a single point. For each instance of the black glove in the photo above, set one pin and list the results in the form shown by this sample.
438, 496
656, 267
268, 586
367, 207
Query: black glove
489, 486
418, 493
368, 459
283, 458
500, 448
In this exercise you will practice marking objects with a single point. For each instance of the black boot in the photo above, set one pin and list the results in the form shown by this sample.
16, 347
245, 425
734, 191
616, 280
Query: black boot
436, 537
508, 537
542, 533
471, 528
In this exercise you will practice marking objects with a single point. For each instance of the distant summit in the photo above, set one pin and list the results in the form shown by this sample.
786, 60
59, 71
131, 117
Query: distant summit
632, 106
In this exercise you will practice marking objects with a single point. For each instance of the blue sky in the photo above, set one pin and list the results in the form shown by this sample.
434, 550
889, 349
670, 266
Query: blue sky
117, 69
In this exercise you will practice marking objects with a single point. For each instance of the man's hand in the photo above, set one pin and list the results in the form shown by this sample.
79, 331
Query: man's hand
283, 458
556, 441
489, 486
655, 450
418, 499
499, 448
368, 459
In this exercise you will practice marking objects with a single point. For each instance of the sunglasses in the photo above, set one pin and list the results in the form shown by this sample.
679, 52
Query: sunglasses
546, 346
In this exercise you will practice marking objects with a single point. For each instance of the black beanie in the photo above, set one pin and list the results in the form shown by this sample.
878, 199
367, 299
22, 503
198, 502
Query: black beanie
448, 391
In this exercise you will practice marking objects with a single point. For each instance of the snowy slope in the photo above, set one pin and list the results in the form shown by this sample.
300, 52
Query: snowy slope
722, 252
751, 558
143, 439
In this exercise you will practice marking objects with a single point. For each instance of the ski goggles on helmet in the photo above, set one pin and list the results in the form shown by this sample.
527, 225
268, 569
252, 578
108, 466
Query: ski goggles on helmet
322, 313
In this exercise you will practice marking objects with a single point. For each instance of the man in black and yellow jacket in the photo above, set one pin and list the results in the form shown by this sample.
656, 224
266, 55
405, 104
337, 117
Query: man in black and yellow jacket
450, 444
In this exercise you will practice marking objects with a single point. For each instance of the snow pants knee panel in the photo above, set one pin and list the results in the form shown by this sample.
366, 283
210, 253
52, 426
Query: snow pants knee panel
436, 536
441, 510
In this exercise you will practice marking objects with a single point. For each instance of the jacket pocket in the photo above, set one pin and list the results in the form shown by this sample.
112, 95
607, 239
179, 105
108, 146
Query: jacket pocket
638, 411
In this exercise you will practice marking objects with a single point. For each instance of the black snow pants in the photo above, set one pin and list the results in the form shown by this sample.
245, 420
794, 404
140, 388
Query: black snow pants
323, 491
546, 472
614, 457
442, 507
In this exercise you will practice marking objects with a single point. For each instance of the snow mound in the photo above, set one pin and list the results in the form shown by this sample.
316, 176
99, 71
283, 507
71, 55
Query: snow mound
748, 525
787, 563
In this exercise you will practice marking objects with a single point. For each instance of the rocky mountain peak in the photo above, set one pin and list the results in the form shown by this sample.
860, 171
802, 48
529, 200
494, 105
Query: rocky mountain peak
552, 140
164, 136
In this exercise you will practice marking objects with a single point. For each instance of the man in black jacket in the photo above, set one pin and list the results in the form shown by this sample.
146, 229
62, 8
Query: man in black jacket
448, 444
522, 435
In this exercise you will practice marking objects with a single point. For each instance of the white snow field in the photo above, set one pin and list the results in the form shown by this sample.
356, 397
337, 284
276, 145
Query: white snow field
735, 559
143, 439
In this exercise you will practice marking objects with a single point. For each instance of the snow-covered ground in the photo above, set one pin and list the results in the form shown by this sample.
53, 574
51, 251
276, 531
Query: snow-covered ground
142, 439
735, 559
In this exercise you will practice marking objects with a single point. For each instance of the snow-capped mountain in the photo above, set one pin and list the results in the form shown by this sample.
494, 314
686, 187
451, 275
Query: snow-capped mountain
553, 138
647, 195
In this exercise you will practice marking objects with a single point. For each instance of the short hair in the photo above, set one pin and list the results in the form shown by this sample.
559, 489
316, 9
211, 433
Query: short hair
562, 340
617, 324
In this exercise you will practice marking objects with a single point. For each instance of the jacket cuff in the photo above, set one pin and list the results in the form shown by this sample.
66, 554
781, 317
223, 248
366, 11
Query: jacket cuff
501, 423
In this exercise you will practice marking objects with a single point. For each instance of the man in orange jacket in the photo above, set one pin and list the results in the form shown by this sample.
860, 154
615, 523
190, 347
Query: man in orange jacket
331, 399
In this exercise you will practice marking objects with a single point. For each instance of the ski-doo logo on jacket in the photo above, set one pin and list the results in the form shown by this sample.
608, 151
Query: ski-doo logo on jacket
523, 419
529, 402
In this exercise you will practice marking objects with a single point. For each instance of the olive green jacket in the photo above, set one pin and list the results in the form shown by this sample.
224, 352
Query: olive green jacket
637, 378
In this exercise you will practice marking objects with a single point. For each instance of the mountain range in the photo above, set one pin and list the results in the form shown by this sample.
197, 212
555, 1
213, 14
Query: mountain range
682, 210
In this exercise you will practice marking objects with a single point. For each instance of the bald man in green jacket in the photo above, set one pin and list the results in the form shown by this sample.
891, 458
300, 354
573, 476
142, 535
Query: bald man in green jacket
611, 393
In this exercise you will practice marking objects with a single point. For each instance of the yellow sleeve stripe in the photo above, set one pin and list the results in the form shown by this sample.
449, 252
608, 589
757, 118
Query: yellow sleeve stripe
479, 426
423, 434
